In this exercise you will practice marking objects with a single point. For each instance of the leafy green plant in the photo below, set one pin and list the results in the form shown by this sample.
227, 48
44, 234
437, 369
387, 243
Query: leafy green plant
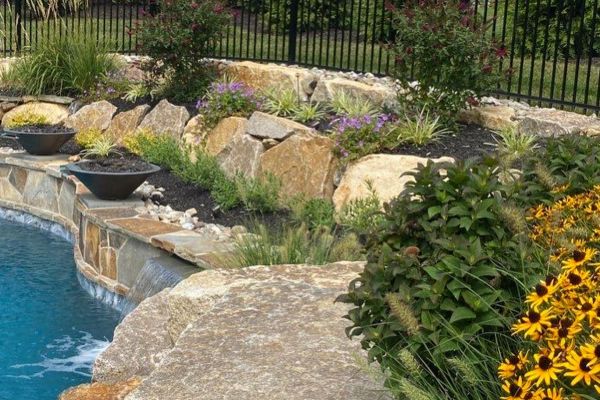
419, 129
260, 194
309, 112
136, 91
515, 144
86, 138
313, 212
344, 104
463, 64
282, 103
293, 245
364, 214
71, 64
102, 147
163, 150
444, 265
177, 37
26, 119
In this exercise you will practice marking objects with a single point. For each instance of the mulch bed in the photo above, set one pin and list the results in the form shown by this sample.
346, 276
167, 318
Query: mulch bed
469, 142
126, 163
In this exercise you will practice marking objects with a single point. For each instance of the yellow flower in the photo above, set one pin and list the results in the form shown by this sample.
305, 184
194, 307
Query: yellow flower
580, 369
534, 323
579, 258
552, 394
543, 292
545, 370
516, 389
511, 365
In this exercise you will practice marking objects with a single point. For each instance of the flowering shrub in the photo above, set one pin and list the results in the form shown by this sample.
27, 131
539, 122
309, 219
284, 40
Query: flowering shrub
563, 316
358, 136
178, 36
441, 45
226, 99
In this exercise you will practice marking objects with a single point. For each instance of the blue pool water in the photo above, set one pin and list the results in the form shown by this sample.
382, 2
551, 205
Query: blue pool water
51, 329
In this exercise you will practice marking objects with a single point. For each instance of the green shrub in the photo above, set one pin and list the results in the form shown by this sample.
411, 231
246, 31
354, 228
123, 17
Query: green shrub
362, 215
515, 144
260, 194
447, 255
71, 64
347, 105
307, 113
314, 213
293, 245
419, 129
177, 38
163, 150
443, 46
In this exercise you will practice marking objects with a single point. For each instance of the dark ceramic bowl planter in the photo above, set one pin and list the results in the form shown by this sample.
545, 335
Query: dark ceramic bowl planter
42, 140
110, 185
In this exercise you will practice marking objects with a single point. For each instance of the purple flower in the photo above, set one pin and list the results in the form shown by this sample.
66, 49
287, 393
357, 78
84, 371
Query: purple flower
110, 90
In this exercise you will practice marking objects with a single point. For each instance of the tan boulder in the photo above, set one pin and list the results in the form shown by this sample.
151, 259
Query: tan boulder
376, 93
101, 391
549, 122
127, 122
267, 126
262, 76
54, 113
222, 135
385, 172
305, 163
242, 154
97, 115
491, 117
167, 119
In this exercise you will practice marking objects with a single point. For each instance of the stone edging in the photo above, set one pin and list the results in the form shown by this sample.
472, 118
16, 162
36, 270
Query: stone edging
112, 241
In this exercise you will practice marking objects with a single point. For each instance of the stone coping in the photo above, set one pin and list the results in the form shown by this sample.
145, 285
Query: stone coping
108, 235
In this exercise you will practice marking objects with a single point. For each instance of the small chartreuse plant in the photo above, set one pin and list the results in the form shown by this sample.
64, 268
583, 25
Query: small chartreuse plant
345, 104
136, 91
87, 138
27, 119
419, 129
102, 147
282, 103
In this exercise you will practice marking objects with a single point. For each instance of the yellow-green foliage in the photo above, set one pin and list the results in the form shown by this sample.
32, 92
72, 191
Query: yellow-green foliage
86, 138
135, 141
26, 118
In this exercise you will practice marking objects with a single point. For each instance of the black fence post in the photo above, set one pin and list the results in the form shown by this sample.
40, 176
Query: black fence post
19, 24
293, 31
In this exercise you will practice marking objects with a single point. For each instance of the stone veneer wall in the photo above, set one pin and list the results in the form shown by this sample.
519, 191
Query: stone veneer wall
111, 241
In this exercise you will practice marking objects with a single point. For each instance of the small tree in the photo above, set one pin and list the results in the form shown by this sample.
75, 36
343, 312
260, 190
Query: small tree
443, 47
177, 36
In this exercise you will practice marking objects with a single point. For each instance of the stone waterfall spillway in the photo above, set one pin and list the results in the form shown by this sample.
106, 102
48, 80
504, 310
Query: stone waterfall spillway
156, 275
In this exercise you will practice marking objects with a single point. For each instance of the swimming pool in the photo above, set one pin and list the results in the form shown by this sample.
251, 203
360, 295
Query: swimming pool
51, 329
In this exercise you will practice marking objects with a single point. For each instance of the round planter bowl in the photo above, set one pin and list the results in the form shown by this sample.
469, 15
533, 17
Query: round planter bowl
110, 185
40, 144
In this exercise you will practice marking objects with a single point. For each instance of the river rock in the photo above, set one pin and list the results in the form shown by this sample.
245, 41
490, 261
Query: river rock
385, 172
127, 122
238, 336
54, 113
97, 115
101, 391
167, 119
140, 343
271, 76
378, 94
267, 126
222, 135
305, 163
242, 154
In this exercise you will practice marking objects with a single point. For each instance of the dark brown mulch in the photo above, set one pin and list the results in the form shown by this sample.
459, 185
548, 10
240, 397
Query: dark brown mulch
115, 164
41, 129
469, 142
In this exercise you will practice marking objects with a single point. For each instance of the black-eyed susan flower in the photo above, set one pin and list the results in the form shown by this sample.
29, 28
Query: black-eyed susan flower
512, 365
579, 368
552, 394
517, 389
579, 257
534, 322
545, 369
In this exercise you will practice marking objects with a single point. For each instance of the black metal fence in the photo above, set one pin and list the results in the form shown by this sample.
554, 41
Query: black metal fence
553, 45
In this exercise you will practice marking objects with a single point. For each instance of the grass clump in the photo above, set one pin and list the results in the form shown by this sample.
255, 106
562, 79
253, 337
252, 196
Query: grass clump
102, 147
60, 65
343, 103
420, 129
515, 144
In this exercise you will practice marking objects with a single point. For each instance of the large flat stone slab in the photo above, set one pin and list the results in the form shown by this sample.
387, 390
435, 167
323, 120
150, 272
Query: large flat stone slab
194, 247
240, 338
548, 122
144, 228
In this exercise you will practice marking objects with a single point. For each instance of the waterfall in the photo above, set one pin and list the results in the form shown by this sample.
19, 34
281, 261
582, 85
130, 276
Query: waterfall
156, 275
